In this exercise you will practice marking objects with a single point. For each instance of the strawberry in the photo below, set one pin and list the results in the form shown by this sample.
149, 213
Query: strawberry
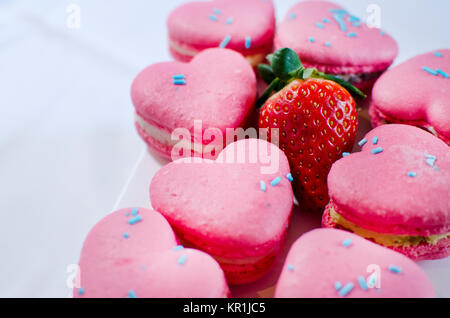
316, 119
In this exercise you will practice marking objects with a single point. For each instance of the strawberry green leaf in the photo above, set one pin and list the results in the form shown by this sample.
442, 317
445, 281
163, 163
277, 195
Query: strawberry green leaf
284, 62
266, 73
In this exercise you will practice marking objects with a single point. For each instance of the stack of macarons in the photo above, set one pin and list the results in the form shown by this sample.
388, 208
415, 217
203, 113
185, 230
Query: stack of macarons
222, 208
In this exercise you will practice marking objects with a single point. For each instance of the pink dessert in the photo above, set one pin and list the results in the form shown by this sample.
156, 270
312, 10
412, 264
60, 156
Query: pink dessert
217, 89
236, 208
246, 26
395, 192
328, 263
134, 253
328, 37
417, 93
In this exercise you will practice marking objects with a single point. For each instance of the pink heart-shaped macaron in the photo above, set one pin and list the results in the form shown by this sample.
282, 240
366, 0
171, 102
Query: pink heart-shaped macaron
217, 89
246, 26
134, 253
328, 263
236, 208
395, 192
416, 92
330, 38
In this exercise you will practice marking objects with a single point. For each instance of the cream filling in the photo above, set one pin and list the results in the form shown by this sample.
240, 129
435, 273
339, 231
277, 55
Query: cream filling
385, 239
254, 59
165, 138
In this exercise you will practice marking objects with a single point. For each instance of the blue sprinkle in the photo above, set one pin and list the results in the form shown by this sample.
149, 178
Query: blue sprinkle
248, 42
289, 177
179, 76
375, 140
337, 285
127, 214
430, 162
338, 18
347, 242
339, 11
178, 248
351, 34
262, 186
345, 154
442, 73
293, 15
377, 150
430, 71
320, 25
362, 142
229, 20
327, 44
81, 291
225, 42
395, 269
179, 82
311, 40
412, 174
346, 289
217, 11
290, 267
132, 294
382, 33
438, 54
430, 157
373, 280
356, 24
362, 283
182, 260
353, 18
126, 235
135, 220
275, 181
326, 21
134, 212
212, 17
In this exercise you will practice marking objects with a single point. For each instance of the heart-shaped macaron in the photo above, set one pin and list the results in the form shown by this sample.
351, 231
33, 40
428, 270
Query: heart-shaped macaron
328, 263
395, 192
236, 208
246, 26
215, 91
328, 37
134, 253
416, 92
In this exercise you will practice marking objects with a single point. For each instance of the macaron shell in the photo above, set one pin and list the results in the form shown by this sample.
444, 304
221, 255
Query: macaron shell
220, 90
219, 206
203, 25
118, 258
369, 50
375, 192
318, 260
409, 94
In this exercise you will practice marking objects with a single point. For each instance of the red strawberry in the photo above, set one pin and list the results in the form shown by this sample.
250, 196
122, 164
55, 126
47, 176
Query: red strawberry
316, 118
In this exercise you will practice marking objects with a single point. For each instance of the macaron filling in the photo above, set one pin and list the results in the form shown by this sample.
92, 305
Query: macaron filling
164, 137
253, 59
390, 240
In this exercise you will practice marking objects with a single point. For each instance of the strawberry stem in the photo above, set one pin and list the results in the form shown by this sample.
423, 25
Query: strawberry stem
285, 66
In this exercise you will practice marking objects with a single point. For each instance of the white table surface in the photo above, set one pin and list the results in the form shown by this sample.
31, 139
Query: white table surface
69, 154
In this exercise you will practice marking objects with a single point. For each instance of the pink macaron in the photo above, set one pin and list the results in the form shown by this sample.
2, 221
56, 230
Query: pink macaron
328, 37
190, 106
329, 263
416, 92
395, 192
134, 253
246, 26
236, 208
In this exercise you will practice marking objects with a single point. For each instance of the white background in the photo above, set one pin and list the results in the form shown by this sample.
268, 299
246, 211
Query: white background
67, 141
